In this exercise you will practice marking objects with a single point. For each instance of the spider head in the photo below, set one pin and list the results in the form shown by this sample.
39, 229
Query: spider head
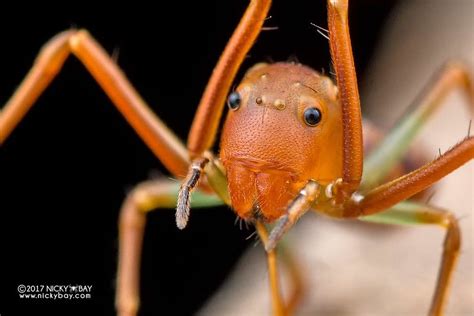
283, 128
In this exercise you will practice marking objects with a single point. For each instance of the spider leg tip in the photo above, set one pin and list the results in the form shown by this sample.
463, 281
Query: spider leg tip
181, 220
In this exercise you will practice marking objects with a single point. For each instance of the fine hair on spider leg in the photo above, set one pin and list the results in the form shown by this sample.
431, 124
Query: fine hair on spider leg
185, 190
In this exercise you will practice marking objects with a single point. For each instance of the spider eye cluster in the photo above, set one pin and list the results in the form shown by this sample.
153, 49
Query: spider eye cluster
312, 116
234, 100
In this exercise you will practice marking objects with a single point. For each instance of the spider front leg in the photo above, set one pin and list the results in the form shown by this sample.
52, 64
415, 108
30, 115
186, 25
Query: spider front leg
204, 127
343, 62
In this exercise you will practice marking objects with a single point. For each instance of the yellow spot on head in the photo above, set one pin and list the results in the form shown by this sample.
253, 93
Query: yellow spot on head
279, 104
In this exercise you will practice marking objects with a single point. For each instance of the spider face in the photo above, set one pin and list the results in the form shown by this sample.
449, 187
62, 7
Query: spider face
279, 134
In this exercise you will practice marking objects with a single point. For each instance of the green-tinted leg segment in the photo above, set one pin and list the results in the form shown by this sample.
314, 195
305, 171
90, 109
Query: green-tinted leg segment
401, 214
391, 150
410, 213
216, 177
145, 197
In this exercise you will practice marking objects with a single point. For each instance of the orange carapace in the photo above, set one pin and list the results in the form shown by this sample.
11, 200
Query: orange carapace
281, 130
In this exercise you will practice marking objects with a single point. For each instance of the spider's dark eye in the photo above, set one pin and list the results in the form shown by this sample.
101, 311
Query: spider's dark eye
233, 101
312, 116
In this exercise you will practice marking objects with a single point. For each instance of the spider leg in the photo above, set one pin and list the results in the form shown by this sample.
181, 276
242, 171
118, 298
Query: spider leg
296, 209
204, 128
300, 205
278, 305
187, 186
343, 61
146, 197
387, 195
164, 144
389, 152
206, 121
415, 214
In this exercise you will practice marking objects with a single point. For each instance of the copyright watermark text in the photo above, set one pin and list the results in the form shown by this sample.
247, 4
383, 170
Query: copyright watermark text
54, 291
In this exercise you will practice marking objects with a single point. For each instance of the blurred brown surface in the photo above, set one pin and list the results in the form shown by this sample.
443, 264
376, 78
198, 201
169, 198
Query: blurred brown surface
358, 269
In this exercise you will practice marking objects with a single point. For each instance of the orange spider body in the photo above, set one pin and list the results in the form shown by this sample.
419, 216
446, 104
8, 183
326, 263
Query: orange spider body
292, 142
268, 149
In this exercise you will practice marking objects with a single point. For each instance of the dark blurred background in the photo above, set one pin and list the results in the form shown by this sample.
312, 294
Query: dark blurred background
65, 170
